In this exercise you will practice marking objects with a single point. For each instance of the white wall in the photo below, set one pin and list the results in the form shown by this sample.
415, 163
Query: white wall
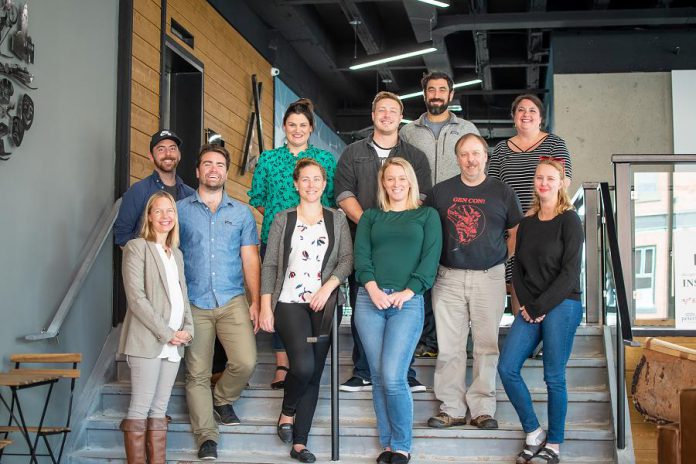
58, 183
684, 111
599, 115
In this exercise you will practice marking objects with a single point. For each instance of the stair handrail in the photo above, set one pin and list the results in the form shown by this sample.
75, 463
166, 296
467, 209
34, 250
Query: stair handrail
624, 333
104, 226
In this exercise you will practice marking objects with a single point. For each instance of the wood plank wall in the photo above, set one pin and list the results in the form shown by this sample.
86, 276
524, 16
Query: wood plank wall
228, 60
644, 433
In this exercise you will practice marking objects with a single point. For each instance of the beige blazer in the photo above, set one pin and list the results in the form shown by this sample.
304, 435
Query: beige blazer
146, 326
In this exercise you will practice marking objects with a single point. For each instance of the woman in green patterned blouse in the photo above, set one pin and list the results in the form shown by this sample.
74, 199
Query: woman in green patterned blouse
272, 188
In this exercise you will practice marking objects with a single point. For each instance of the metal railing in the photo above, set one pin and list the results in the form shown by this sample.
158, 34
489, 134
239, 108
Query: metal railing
95, 245
601, 239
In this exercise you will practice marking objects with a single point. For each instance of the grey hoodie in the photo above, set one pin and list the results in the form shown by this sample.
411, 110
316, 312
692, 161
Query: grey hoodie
440, 152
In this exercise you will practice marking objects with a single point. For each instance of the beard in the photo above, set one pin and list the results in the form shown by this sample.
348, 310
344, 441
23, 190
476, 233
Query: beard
160, 164
436, 106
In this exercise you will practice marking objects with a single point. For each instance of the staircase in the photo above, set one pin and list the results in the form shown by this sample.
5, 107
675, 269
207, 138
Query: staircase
589, 427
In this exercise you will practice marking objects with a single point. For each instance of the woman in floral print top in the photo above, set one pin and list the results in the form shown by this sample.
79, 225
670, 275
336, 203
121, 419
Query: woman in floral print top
272, 188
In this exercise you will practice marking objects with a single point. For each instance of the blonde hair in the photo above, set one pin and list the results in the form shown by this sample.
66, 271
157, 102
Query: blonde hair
148, 232
564, 203
413, 193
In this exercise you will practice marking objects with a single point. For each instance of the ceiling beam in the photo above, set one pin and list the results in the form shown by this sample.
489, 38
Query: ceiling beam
324, 2
369, 33
535, 42
483, 56
565, 19
423, 19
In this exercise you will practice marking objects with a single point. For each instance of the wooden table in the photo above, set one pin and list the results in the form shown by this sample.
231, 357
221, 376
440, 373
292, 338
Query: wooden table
16, 381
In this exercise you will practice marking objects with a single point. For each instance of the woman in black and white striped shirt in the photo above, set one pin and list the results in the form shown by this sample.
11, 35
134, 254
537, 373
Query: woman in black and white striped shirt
514, 161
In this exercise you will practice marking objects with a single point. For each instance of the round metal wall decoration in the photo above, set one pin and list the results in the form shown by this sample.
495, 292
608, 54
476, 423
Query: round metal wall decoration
16, 53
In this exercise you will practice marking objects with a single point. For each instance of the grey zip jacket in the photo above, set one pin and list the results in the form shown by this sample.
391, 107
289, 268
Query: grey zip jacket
440, 152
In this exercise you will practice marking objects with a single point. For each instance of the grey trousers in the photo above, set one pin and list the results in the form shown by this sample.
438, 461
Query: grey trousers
462, 298
152, 380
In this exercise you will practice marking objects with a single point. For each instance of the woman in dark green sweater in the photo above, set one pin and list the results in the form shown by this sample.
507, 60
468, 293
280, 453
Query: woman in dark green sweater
397, 249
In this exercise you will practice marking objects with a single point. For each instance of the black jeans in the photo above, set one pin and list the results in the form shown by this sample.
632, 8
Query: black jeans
429, 335
294, 322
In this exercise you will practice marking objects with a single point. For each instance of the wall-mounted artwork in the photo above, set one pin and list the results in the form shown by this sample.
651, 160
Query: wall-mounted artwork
16, 53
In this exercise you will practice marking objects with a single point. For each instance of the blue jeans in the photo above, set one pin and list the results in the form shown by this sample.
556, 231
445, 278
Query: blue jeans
389, 337
360, 367
557, 331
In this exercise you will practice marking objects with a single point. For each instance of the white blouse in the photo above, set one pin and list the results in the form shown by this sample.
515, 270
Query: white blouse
176, 316
303, 276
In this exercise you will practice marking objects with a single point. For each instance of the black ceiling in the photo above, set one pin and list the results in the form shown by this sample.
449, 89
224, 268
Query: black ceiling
506, 43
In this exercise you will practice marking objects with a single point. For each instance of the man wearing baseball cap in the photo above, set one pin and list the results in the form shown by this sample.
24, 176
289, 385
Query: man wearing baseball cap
165, 154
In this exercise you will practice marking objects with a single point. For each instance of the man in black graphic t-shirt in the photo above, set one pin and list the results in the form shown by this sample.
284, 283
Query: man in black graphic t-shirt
476, 211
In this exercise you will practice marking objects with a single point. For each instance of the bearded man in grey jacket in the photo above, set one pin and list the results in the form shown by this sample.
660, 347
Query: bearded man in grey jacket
436, 131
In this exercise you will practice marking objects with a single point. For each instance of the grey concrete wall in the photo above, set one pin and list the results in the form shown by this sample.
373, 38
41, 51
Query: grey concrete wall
58, 183
599, 115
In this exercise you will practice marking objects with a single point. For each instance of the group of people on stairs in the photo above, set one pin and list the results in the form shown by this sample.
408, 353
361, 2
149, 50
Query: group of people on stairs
428, 220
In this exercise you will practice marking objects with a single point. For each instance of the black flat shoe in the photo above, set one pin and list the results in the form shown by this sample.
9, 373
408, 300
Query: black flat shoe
280, 384
398, 458
303, 456
385, 457
285, 431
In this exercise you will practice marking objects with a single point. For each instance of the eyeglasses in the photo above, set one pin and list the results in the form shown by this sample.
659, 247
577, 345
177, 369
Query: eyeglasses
170, 149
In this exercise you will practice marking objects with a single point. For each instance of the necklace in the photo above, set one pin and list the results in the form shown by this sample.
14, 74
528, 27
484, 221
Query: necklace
381, 147
530, 147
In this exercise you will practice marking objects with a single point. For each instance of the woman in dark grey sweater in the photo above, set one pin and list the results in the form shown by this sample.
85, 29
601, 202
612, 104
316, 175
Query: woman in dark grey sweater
546, 277
308, 255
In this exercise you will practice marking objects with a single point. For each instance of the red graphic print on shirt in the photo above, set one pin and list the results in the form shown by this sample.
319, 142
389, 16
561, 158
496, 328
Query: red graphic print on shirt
467, 221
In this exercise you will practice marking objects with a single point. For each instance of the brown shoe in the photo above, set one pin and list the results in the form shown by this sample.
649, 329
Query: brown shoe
134, 439
444, 420
156, 441
485, 422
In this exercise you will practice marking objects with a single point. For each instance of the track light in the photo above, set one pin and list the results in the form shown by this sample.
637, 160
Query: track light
436, 3
393, 58
455, 86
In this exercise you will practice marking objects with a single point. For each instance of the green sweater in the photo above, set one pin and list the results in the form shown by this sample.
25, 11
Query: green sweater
398, 250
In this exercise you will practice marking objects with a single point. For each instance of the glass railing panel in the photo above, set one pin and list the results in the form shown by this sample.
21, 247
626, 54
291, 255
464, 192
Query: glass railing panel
664, 243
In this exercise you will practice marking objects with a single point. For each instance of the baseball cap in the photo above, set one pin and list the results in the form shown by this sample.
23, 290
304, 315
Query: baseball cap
164, 134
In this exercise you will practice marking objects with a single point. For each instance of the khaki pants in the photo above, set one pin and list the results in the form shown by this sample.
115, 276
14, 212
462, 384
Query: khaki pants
233, 327
463, 297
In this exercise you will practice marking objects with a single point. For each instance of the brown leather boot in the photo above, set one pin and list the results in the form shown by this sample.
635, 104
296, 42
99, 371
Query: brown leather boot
134, 439
157, 440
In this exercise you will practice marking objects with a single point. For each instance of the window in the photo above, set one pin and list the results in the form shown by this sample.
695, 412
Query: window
644, 262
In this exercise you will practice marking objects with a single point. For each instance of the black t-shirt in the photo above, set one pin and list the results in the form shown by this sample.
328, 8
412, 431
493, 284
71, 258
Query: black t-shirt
474, 221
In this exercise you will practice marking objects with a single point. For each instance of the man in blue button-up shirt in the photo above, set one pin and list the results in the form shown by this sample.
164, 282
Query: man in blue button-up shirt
220, 245
165, 155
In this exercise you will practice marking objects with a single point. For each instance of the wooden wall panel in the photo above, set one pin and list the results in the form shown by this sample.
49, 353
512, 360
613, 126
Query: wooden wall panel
228, 61
644, 433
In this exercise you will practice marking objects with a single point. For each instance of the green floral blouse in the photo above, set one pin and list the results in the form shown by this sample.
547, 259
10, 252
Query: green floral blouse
272, 186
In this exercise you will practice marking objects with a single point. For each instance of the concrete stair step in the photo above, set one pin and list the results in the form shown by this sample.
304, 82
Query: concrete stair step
224, 457
429, 445
582, 373
584, 407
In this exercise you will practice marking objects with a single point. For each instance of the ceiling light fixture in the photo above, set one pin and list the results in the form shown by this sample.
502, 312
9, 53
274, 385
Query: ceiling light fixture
435, 2
455, 86
389, 59
406, 121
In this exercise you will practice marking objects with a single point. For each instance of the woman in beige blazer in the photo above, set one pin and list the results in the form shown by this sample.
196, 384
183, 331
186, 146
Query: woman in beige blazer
157, 326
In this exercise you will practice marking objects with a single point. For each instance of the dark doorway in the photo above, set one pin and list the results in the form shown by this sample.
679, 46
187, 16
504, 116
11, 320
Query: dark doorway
181, 105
